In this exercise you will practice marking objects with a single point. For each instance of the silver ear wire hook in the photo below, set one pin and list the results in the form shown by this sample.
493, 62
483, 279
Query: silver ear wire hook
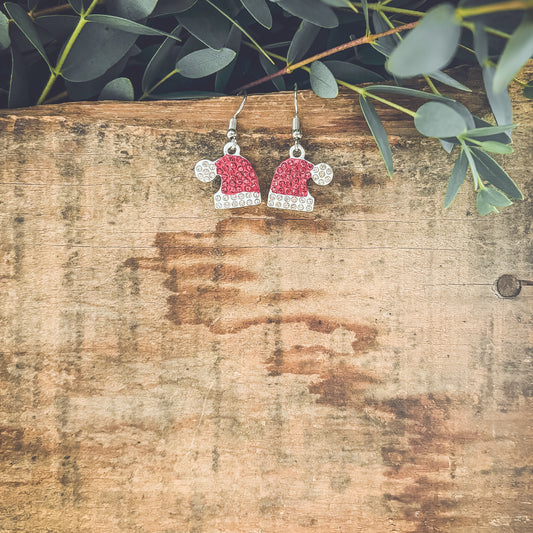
296, 132
232, 147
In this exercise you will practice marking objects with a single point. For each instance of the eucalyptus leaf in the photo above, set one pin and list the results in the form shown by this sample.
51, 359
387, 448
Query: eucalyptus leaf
378, 132
518, 50
126, 25
161, 62
206, 24
456, 179
269, 68
96, 49
351, 73
5, 40
364, 3
481, 44
483, 205
87, 89
171, 7
436, 119
323, 82
489, 130
500, 103
495, 147
313, 11
118, 89
303, 40
204, 62
448, 80
19, 95
494, 174
233, 43
496, 198
384, 45
26, 26
131, 9
429, 46
447, 145
405, 91
260, 11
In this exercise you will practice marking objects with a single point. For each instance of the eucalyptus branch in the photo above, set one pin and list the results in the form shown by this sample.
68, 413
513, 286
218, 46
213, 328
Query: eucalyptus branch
352, 44
68, 47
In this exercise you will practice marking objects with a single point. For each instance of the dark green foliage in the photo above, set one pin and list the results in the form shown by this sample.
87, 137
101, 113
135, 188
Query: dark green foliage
55, 50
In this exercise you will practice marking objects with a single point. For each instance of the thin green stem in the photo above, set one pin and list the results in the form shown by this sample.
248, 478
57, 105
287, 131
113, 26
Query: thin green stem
379, 7
160, 82
241, 29
512, 5
56, 72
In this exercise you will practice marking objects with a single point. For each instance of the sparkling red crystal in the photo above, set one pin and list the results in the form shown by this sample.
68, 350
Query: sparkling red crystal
237, 175
291, 177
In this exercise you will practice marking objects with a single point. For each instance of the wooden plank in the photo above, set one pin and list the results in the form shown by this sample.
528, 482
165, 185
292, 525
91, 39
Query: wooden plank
166, 367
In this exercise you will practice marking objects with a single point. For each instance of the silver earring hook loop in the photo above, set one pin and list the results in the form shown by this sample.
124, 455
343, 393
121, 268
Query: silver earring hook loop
232, 148
296, 132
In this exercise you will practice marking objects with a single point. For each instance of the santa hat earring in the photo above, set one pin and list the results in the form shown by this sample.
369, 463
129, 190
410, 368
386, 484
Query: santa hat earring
239, 186
288, 189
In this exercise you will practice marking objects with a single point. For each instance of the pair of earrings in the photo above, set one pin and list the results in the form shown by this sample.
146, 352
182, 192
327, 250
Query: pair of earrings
240, 186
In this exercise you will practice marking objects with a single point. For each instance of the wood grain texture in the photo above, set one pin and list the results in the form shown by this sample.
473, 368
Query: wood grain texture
166, 367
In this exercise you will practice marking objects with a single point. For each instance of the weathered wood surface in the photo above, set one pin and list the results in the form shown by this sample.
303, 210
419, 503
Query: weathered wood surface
168, 368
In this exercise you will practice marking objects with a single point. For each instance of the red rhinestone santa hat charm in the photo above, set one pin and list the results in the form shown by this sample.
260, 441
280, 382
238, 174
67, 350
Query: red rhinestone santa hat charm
239, 186
288, 189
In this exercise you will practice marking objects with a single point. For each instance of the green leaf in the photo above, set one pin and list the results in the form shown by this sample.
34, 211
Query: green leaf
131, 9
493, 173
404, 91
489, 131
323, 82
19, 95
26, 26
436, 119
206, 24
448, 80
481, 44
351, 73
447, 145
500, 103
428, 47
495, 147
384, 45
117, 89
260, 11
517, 51
5, 40
204, 62
528, 90
233, 43
301, 42
378, 132
79, 5
269, 68
456, 179
483, 205
161, 62
172, 7
313, 11
107, 47
186, 95
126, 25
496, 198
